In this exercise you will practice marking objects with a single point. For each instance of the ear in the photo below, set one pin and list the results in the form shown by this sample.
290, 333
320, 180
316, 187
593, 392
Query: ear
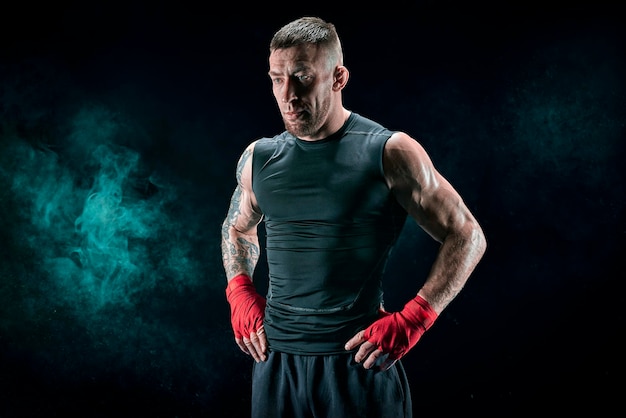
340, 77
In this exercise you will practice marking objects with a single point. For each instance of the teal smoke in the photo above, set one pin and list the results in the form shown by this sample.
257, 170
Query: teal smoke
95, 234
107, 271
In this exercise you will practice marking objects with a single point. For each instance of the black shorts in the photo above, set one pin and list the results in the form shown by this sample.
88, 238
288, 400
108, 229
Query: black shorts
327, 386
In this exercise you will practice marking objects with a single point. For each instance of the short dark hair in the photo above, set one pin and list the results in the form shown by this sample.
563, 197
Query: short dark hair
309, 30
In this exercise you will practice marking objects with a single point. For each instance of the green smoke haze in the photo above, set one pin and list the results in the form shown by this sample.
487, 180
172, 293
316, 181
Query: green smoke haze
108, 269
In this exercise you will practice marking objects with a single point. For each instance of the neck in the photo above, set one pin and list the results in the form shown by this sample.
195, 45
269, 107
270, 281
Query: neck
333, 124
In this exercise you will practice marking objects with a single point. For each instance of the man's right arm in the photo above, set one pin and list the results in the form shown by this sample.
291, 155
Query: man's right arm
240, 242
240, 254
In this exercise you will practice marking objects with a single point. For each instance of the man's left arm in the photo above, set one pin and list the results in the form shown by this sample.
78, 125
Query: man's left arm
438, 209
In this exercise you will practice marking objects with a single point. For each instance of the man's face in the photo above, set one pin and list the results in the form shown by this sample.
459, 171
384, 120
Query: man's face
302, 86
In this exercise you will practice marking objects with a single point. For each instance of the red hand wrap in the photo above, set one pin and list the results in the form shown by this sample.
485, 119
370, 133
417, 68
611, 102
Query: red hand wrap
396, 333
247, 307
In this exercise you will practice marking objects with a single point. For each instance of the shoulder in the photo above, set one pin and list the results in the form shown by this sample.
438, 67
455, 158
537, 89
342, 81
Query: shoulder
406, 162
267, 143
401, 145
260, 143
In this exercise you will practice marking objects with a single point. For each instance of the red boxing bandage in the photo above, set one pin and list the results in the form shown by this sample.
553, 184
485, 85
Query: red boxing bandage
396, 333
247, 307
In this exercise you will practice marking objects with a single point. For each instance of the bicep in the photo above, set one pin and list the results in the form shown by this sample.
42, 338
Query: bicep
441, 210
243, 213
423, 192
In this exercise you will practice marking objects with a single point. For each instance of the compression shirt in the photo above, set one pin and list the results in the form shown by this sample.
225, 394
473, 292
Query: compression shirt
330, 223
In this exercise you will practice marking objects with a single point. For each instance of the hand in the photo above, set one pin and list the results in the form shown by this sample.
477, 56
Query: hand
256, 345
393, 334
247, 310
368, 351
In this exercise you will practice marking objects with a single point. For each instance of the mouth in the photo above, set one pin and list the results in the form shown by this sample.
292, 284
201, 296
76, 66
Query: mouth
294, 115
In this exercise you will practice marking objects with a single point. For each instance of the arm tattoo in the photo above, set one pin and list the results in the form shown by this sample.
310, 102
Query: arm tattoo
240, 252
243, 257
242, 161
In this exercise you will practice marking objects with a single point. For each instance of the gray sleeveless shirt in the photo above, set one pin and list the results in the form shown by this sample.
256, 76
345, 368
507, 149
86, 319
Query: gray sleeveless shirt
330, 223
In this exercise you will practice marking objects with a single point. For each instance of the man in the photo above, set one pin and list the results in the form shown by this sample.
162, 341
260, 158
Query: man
334, 191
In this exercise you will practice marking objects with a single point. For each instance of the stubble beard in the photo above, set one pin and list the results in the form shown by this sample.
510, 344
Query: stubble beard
309, 124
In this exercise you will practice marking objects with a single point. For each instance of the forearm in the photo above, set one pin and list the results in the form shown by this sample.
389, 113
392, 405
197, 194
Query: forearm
457, 258
240, 251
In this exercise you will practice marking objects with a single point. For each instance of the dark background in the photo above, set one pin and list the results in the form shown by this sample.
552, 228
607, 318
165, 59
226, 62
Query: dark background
120, 127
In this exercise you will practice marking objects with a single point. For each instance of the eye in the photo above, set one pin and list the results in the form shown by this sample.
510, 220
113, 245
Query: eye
304, 78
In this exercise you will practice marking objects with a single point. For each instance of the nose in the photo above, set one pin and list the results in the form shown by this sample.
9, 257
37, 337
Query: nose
288, 92
288, 97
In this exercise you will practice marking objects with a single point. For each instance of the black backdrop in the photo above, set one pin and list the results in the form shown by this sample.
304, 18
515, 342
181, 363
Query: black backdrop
120, 127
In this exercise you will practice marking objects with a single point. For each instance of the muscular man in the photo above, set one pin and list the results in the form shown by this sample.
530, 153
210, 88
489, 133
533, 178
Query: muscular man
334, 190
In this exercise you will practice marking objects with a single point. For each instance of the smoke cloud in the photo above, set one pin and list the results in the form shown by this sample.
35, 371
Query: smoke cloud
108, 266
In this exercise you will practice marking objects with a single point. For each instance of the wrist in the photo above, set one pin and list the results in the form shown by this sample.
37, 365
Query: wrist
237, 282
419, 312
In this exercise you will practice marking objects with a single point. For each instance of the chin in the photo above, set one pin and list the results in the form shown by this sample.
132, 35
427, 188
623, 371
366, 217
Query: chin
300, 128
